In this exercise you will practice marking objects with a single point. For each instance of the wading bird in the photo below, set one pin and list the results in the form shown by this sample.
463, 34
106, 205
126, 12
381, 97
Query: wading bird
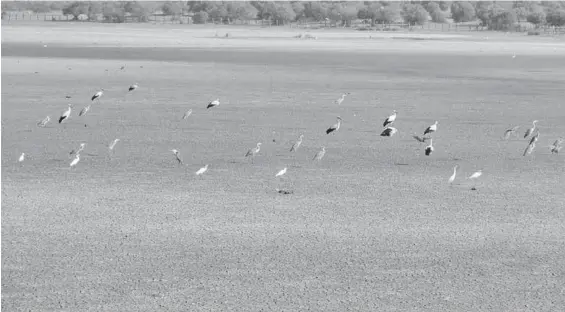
66, 114
556, 147
215, 102
280, 173
188, 113
475, 176
133, 87
111, 146
254, 151
431, 129
531, 130
177, 155
22, 157
296, 145
420, 139
335, 127
389, 131
202, 170
341, 98
390, 119
319, 155
84, 110
80, 149
76, 160
97, 95
429, 149
509, 132
44, 122
452, 177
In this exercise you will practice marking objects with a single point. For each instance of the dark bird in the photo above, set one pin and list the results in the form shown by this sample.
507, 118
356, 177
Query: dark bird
432, 128
216, 102
389, 131
133, 87
429, 149
390, 119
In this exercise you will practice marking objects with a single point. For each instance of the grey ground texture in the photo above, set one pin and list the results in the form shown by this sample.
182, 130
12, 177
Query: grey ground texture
373, 226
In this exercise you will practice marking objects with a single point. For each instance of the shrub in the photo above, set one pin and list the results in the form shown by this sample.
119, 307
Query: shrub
536, 17
200, 17
462, 12
556, 17
414, 14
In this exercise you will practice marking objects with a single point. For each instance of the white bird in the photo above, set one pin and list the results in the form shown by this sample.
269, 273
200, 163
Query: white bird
202, 170
188, 113
66, 114
133, 87
84, 110
80, 149
177, 155
319, 155
476, 174
254, 151
22, 157
452, 178
280, 173
531, 130
432, 128
296, 145
76, 160
216, 102
389, 131
429, 149
341, 98
508, 132
98, 94
420, 139
390, 119
335, 127
44, 122
111, 146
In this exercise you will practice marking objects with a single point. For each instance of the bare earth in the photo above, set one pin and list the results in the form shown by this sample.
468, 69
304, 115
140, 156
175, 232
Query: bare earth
372, 227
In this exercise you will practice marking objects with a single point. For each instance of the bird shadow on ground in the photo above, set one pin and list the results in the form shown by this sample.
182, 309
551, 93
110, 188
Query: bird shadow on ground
401, 164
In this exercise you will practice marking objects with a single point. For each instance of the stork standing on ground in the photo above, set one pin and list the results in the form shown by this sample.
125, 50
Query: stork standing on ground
44, 122
475, 176
22, 157
188, 113
133, 87
214, 103
531, 130
341, 98
75, 161
319, 155
254, 151
429, 149
452, 177
431, 129
335, 127
97, 95
84, 110
66, 114
202, 170
389, 131
177, 155
509, 132
296, 145
390, 119
280, 173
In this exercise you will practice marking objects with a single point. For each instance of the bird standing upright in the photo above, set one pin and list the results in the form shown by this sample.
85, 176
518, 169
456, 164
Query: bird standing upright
296, 145
75, 161
66, 114
254, 151
390, 119
452, 177
475, 176
429, 149
319, 155
335, 127
177, 155
431, 129
214, 103
341, 98
97, 95
389, 131
531, 130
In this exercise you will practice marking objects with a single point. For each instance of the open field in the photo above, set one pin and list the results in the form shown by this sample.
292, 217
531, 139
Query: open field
372, 227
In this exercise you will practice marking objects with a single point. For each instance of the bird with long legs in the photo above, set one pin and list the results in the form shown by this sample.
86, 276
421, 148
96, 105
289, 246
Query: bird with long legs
319, 155
390, 119
474, 178
213, 103
531, 130
97, 95
431, 129
452, 177
510, 132
429, 149
44, 122
335, 126
253, 152
66, 114
75, 161
297, 144
341, 98
177, 155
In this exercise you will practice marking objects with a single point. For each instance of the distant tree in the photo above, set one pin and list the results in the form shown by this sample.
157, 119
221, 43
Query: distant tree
316, 10
462, 12
138, 10
503, 20
556, 17
348, 13
536, 15
414, 14
384, 14
94, 8
218, 12
113, 14
75, 9
200, 17
298, 8
435, 12
521, 13
241, 11
444, 5
38, 6
171, 8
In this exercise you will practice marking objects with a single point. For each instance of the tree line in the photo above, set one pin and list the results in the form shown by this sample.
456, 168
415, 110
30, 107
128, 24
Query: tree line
491, 14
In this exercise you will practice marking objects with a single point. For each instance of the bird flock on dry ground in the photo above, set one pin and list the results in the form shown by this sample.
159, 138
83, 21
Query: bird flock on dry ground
388, 131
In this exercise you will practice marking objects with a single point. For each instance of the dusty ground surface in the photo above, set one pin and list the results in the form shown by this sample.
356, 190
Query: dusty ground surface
373, 226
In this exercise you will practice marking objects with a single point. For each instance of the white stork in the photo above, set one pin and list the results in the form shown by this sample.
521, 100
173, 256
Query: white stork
341, 98
510, 131
76, 160
319, 155
429, 149
452, 177
97, 95
188, 113
84, 110
254, 151
177, 155
133, 87
202, 170
296, 145
390, 119
113, 144
280, 173
432, 128
475, 176
531, 130
22, 157
44, 122
389, 131
214, 103
335, 127
66, 114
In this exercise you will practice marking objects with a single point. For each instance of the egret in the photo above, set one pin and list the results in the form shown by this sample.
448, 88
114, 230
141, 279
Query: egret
98, 94
188, 113
280, 173
66, 114
111, 146
341, 98
44, 122
432, 128
452, 178
509, 132
79, 149
216, 102
389, 131
296, 145
556, 147
22, 157
133, 87
84, 110
531, 130
202, 170
76, 160
335, 127
390, 119
254, 151
475, 176
420, 139
429, 149
319, 155
177, 155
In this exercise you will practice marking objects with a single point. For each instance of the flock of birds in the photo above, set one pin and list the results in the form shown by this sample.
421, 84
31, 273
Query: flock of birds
388, 131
